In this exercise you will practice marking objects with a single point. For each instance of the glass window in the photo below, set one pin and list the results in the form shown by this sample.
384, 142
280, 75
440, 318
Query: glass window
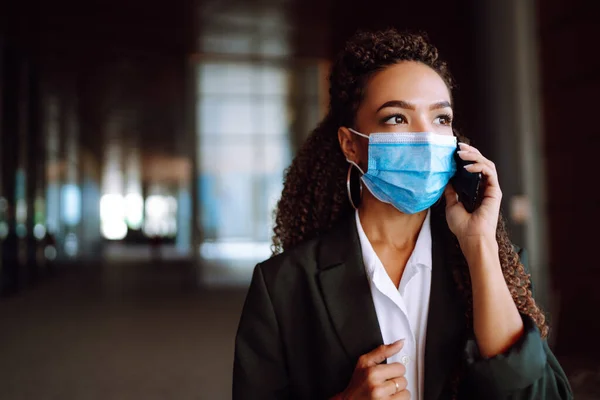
244, 147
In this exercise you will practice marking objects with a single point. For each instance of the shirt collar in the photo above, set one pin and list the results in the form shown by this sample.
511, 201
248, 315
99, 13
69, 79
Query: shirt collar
421, 255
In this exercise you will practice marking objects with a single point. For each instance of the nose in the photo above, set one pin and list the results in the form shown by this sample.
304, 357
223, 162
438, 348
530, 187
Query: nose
421, 123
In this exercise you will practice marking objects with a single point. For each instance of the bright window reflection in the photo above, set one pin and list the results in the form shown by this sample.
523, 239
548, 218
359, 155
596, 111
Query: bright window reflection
71, 204
112, 217
235, 250
39, 231
134, 210
161, 216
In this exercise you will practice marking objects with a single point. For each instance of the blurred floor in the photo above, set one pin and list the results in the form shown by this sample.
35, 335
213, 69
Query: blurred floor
137, 331
119, 331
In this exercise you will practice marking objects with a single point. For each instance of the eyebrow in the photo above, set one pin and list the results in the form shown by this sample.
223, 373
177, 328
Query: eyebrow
410, 106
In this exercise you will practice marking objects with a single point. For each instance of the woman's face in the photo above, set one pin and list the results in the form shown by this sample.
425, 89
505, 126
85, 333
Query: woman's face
405, 97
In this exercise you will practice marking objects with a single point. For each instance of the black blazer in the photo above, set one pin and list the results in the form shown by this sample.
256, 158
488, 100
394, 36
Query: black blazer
309, 316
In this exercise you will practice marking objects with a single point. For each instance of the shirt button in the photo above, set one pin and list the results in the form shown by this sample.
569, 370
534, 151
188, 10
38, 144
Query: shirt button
405, 359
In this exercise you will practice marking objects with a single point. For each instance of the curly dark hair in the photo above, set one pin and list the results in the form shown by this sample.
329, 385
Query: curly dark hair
314, 196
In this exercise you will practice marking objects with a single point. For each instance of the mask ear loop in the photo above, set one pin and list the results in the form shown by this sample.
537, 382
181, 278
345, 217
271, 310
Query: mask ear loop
358, 133
348, 183
349, 176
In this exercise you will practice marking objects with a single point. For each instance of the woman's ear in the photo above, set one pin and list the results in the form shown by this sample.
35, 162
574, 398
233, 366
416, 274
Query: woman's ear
348, 144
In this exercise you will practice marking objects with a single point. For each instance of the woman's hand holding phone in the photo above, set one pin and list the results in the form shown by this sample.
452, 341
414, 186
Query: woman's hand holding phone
482, 222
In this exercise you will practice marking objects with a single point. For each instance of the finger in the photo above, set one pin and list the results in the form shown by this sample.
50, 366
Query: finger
384, 372
470, 153
468, 147
381, 353
389, 388
492, 186
403, 395
475, 157
489, 173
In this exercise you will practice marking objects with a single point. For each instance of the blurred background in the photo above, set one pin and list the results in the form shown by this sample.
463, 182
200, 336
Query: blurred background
142, 149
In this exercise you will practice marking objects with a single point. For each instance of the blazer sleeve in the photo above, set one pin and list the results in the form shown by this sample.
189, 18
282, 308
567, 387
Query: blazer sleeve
526, 371
259, 370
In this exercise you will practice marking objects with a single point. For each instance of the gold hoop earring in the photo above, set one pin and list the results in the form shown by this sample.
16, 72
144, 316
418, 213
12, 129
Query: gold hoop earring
349, 188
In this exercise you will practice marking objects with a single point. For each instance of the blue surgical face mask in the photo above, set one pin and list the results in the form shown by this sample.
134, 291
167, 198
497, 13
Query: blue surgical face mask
409, 170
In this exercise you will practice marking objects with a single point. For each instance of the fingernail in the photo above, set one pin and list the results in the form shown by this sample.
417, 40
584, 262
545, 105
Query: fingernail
461, 152
463, 145
467, 166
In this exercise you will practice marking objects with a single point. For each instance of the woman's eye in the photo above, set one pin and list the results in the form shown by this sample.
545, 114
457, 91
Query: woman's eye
395, 120
443, 120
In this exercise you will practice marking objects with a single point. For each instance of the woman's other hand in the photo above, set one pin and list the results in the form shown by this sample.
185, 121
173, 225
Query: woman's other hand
482, 223
372, 380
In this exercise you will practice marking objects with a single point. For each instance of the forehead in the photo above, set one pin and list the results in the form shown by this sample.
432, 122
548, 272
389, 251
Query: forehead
409, 81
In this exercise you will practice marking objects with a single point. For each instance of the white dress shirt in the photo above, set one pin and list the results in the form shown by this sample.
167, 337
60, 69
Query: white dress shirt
402, 312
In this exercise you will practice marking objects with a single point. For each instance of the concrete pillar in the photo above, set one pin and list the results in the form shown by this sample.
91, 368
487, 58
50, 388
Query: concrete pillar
512, 138
193, 154
9, 149
34, 163
309, 99
3, 202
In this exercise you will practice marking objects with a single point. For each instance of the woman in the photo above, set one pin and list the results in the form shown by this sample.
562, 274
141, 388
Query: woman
409, 296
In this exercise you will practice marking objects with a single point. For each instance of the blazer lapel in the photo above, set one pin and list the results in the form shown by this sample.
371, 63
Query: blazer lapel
345, 290
445, 322
347, 296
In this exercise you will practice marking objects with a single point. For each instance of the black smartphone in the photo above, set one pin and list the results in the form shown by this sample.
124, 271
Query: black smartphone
466, 184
